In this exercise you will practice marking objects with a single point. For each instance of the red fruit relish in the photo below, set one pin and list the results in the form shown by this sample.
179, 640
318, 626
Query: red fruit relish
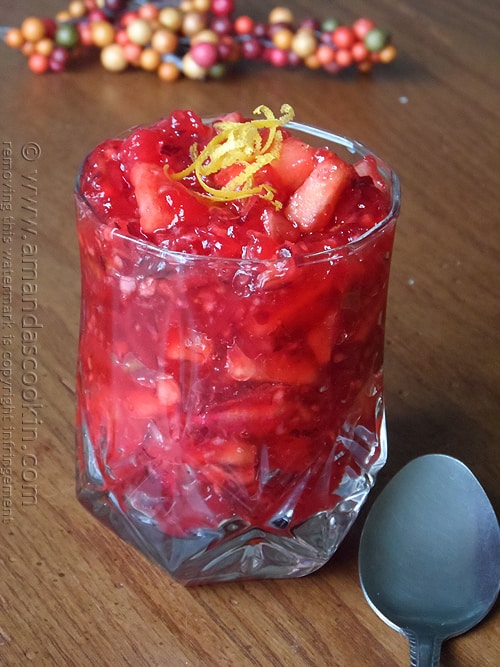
230, 356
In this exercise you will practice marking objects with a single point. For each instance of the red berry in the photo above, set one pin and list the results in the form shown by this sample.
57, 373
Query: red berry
221, 25
251, 48
97, 15
243, 25
38, 63
344, 57
222, 7
58, 59
343, 37
50, 27
362, 26
205, 54
359, 52
277, 57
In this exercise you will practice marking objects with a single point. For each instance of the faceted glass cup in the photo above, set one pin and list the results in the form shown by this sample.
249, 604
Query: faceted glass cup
230, 413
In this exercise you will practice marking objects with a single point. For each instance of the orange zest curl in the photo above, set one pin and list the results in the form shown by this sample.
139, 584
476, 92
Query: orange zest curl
242, 144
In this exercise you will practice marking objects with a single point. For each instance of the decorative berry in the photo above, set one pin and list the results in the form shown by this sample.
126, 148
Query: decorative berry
222, 7
32, 29
197, 39
281, 15
362, 26
113, 58
140, 32
375, 39
243, 25
205, 54
38, 63
66, 35
102, 33
343, 37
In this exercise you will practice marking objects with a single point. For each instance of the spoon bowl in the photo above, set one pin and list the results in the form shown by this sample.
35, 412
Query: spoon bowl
429, 556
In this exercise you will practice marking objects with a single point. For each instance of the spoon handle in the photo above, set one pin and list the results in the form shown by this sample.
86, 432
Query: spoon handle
425, 651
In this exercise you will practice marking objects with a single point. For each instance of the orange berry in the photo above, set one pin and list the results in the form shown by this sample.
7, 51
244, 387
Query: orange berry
139, 31
32, 29
149, 12
281, 15
164, 40
77, 8
191, 68
304, 43
201, 5
28, 48
312, 61
113, 58
14, 38
45, 46
63, 17
150, 59
192, 23
365, 66
170, 18
325, 54
168, 71
388, 54
283, 38
205, 36
102, 32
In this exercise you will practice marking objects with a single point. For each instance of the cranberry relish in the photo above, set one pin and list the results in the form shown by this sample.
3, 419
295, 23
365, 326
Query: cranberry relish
201, 400
319, 200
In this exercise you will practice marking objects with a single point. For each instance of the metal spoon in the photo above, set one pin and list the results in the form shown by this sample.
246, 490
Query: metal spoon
429, 556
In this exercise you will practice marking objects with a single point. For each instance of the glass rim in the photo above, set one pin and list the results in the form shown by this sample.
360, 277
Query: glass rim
351, 145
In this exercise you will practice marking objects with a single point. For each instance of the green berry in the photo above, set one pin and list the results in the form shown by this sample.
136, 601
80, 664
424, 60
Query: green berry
376, 39
66, 35
329, 25
217, 71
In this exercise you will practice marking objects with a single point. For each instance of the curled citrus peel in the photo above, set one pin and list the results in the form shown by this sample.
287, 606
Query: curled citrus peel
240, 144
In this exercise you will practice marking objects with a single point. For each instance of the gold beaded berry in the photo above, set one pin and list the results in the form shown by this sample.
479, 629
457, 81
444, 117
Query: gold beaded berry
195, 38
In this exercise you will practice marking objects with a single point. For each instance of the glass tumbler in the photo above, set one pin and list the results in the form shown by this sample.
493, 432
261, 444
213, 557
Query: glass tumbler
230, 413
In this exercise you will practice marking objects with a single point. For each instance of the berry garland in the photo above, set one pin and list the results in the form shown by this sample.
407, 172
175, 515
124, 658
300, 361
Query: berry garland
197, 39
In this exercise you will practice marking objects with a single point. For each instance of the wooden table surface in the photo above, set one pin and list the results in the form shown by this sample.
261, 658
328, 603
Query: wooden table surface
72, 593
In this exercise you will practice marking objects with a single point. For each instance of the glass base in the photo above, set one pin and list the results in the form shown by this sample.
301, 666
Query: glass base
236, 550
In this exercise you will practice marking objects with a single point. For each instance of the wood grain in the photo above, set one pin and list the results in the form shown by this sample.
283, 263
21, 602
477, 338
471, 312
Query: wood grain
71, 593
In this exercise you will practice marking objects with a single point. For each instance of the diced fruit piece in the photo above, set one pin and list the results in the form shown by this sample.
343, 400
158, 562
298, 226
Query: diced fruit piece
295, 163
241, 367
367, 166
284, 366
321, 338
290, 367
106, 186
168, 391
163, 203
312, 205
279, 227
143, 404
229, 460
